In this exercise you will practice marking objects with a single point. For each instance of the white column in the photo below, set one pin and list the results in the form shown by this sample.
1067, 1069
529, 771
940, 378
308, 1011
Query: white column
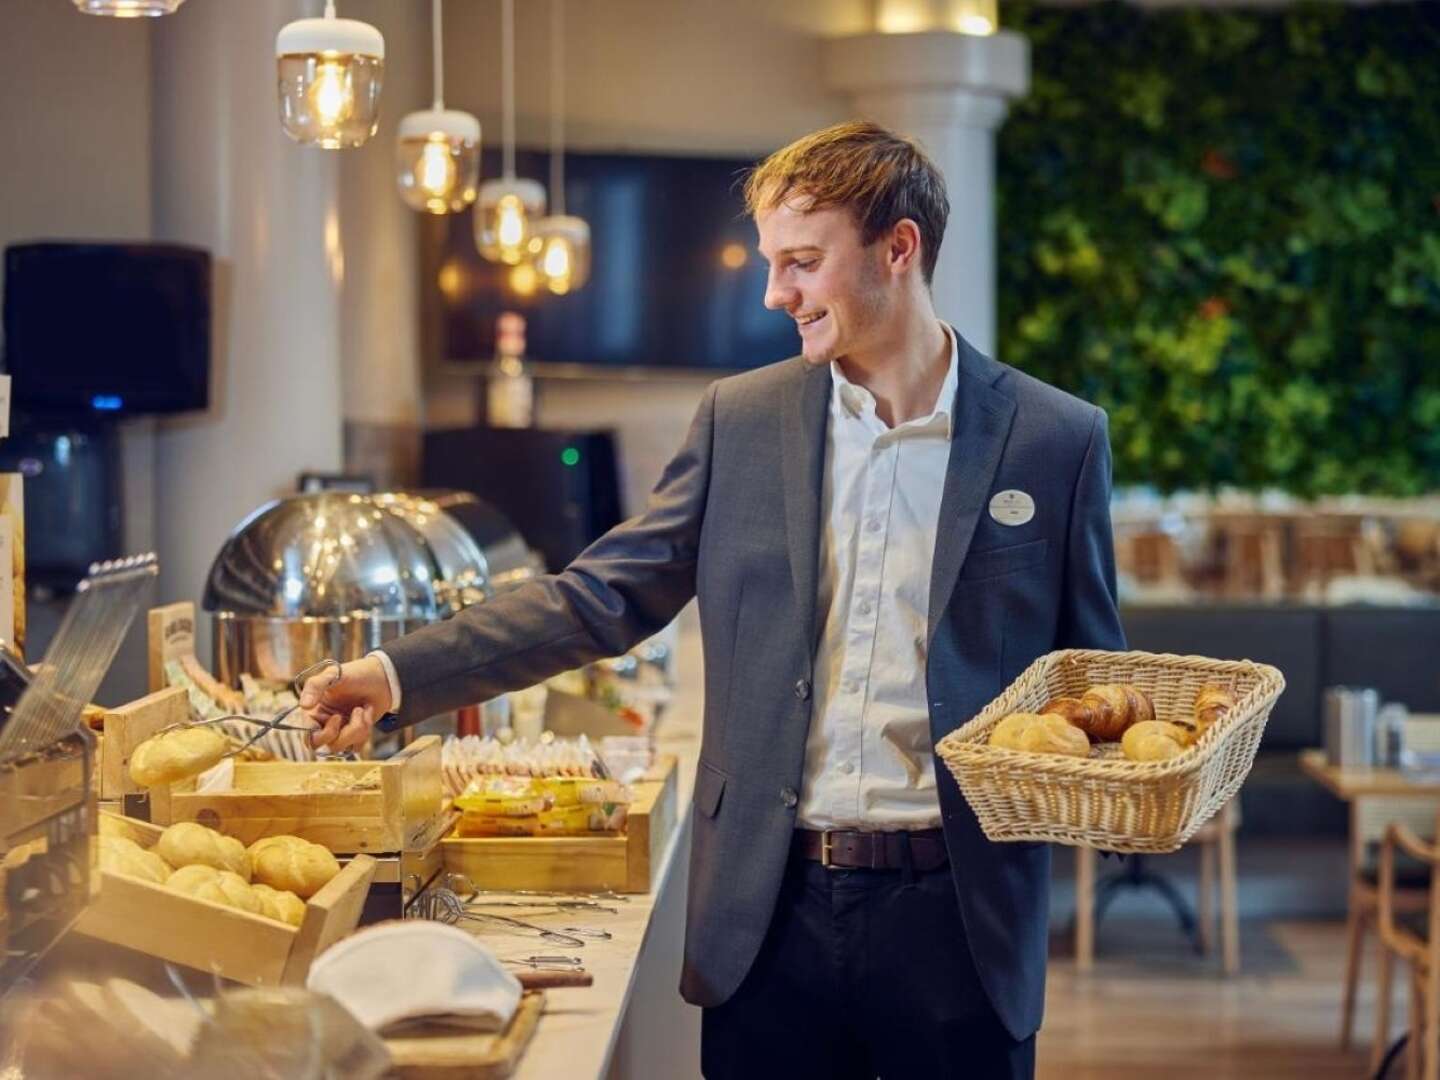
950, 91
227, 178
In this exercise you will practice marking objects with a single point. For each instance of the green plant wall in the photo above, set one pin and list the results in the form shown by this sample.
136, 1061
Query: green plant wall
1224, 227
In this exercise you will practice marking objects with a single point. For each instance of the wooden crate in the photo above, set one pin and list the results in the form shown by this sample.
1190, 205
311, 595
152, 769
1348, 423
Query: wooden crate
265, 801
436, 1052
560, 863
125, 728
211, 937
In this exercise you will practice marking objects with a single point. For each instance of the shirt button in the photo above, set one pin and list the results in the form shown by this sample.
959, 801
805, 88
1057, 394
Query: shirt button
852, 686
789, 797
864, 607
848, 768
802, 689
873, 525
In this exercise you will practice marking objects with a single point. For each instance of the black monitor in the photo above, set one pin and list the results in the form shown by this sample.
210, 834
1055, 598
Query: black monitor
675, 279
117, 329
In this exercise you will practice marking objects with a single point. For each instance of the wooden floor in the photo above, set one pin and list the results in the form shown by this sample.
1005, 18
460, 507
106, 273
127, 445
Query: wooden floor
1156, 1012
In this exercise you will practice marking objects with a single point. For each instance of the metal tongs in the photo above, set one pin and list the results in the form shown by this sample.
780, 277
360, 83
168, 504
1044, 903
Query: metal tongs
276, 722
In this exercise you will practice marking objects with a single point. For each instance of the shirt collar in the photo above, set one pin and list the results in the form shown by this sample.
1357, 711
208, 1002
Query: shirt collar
849, 400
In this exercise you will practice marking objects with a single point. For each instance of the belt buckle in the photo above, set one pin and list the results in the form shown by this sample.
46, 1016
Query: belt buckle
825, 846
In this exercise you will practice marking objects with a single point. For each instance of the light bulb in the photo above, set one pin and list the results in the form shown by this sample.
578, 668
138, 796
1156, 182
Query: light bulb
331, 95
556, 261
505, 218
510, 227
437, 168
561, 252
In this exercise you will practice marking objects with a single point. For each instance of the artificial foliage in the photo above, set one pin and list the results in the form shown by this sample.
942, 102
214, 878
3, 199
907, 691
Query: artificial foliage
1223, 226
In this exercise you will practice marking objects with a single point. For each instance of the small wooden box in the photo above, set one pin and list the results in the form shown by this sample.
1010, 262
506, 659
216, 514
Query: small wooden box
560, 863
266, 800
211, 937
437, 1052
124, 728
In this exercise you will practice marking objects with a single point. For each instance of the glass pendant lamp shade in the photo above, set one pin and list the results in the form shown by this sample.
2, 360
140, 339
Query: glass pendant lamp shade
561, 252
505, 218
330, 74
438, 158
128, 9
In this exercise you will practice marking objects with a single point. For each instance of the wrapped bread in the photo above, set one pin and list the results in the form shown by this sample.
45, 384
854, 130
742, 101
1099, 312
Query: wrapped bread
1154, 740
188, 843
1041, 733
176, 755
1110, 709
1211, 704
282, 906
217, 886
292, 864
121, 855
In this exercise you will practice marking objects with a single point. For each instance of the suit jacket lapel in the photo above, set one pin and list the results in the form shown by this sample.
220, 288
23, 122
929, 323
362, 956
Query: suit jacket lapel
803, 429
982, 418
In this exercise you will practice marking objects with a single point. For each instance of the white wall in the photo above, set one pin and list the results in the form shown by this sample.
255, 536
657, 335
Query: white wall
75, 118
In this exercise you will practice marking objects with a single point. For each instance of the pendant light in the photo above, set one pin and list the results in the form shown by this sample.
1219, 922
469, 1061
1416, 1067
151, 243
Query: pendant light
508, 206
438, 149
330, 72
561, 247
128, 9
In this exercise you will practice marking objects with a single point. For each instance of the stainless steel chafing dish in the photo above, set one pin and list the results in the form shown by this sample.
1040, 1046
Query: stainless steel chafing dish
334, 574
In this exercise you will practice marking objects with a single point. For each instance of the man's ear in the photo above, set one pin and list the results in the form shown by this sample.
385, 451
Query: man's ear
903, 248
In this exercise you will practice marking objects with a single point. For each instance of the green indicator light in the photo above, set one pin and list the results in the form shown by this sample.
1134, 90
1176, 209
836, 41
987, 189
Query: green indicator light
570, 456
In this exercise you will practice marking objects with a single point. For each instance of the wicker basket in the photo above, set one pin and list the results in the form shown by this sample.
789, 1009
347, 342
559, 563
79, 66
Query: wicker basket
1108, 801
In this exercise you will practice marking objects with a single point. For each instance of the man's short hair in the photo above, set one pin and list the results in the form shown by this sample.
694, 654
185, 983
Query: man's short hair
877, 175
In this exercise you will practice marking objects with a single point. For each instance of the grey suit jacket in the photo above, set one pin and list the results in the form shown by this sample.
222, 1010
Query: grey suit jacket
735, 520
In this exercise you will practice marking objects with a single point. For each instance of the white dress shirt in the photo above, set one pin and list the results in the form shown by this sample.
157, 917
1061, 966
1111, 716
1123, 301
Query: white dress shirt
869, 758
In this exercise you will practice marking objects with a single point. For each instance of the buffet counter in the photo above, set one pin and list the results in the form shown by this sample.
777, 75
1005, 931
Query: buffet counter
631, 1022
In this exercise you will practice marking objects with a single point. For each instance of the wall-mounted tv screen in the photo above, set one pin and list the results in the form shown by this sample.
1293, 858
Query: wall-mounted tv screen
675, 279
93, 328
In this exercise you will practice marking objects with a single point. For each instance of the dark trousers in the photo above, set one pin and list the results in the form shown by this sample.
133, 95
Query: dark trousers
863, 973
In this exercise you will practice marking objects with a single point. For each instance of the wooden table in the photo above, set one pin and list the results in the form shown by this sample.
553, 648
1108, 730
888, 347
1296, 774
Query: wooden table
1353, 783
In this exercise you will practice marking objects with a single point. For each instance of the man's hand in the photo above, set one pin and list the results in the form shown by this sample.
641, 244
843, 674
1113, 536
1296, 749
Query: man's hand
345, 705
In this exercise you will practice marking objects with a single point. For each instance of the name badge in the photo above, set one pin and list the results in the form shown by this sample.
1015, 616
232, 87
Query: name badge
1012, 507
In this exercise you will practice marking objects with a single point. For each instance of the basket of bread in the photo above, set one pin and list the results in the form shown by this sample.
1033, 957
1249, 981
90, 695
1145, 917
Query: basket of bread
1123, 751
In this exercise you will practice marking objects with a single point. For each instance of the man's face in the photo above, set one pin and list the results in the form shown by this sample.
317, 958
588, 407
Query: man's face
836, 289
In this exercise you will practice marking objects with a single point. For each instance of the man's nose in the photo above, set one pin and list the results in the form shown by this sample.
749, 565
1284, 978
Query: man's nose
777, 296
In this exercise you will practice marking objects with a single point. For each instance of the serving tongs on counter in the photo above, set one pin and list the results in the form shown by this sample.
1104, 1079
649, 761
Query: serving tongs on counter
276, 722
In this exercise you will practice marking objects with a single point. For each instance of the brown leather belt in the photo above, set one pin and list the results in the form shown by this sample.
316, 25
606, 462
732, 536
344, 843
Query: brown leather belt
840, 850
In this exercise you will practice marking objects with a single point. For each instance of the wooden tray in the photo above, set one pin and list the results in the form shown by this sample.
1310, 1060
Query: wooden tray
622, 863
211, 937
265, 801
125, 728
442, 1053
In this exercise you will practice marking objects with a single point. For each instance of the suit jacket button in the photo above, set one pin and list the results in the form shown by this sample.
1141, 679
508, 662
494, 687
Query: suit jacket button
802, 689
789, 797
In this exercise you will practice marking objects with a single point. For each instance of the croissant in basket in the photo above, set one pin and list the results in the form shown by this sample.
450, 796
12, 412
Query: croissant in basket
121, 855
1155, 740
293, 864
1110, 709
217, 886
1042, 733
1211, 704
187, 843
176, 755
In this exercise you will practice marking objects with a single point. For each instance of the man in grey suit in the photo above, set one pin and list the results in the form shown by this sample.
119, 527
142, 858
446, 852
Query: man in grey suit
882, 534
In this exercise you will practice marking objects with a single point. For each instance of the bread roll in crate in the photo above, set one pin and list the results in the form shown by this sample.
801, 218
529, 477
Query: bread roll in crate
1147, 796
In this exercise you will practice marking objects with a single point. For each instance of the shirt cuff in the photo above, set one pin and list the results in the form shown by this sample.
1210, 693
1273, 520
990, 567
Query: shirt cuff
390, 677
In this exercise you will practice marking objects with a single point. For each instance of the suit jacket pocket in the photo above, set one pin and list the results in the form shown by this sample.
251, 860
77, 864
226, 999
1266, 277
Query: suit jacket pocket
709, 787
997, 562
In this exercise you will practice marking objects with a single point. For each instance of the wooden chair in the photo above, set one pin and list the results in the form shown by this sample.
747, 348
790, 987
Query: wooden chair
1217, 860
1410, 885
1414, 938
